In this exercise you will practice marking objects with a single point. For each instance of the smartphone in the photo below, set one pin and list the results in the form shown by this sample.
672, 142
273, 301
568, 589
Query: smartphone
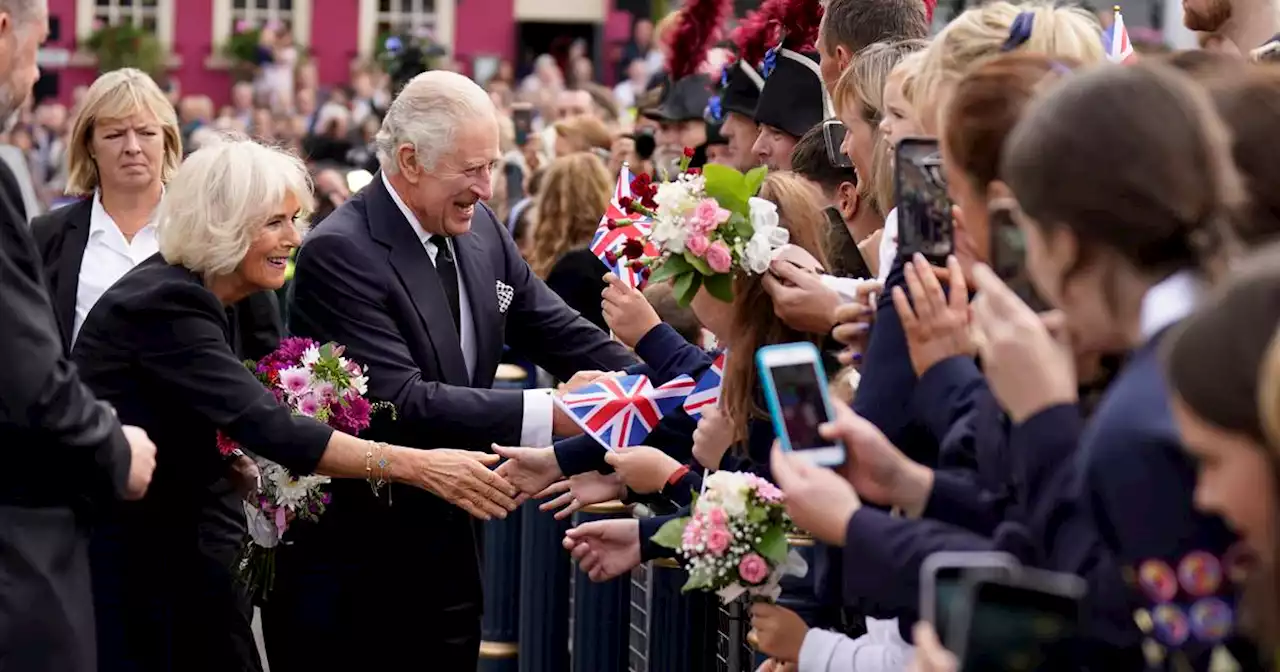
1027, 621
795, 388
1009, 256
833, 131
942, 582
522, 119
924, 209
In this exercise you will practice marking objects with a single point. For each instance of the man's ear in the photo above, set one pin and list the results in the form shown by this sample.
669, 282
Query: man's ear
847, 200
844, 57
407, 158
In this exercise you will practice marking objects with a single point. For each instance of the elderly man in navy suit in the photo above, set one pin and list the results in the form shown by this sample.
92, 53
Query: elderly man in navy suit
422, 284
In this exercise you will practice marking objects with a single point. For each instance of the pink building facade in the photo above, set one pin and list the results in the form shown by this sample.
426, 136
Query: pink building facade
337, 33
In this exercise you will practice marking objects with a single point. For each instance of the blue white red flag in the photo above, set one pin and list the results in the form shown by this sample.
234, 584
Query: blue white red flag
621, 411
707, 392
1116, 41
609, 242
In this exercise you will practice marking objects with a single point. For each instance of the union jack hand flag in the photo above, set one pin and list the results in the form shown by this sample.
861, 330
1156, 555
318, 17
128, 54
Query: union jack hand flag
1116, 41
620, 412
608, 242
707, 391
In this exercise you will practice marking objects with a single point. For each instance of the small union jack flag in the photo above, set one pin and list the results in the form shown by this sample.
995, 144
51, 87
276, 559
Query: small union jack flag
621, 412
1116, 41
608, 243
707, 391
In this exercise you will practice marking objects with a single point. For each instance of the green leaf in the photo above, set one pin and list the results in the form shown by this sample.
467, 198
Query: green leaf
755, 178
673, 266
741, 225
720, 286
773, 545
699, 264
669, 535
758, 515
686, 287
727, 186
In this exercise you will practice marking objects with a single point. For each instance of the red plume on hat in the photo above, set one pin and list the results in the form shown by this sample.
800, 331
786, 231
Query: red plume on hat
795, 21
700, 27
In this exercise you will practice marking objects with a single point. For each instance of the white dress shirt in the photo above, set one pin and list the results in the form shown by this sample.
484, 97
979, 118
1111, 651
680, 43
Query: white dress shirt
536, 425
107, 257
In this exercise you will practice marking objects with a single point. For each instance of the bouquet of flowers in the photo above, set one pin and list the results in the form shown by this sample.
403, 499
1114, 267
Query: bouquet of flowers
735, 542
707, 224
312, 380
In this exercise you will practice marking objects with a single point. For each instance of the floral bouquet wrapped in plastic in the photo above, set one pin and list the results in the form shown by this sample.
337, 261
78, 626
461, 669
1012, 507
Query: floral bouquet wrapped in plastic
735, 542
312, 380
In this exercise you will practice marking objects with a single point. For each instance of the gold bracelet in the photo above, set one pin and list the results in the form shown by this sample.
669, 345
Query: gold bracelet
384, 465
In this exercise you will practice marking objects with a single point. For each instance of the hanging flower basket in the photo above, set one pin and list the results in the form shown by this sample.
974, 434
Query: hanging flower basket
126, 46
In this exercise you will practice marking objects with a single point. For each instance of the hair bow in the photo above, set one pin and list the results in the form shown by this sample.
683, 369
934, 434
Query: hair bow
1019, 31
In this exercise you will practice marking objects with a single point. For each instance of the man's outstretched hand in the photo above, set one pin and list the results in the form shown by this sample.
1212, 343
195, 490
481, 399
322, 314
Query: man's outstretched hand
531, 470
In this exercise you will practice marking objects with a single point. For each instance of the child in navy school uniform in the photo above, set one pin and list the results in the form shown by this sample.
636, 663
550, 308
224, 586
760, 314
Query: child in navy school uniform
1124, 249
1224, 410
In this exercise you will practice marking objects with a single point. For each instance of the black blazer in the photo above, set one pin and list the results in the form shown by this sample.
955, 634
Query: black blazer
61, 237
157, 346
61, 444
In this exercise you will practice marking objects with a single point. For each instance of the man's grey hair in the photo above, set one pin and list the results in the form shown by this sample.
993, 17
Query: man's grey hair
23, 11
427, 114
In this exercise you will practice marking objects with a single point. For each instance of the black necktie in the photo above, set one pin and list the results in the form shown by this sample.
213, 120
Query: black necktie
448, 272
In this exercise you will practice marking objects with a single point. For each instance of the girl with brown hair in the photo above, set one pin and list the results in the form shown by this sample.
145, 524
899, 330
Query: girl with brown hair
575, 193
1223, 366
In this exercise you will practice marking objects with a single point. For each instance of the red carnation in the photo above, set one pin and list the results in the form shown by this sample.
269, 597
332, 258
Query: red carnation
637, 265
688, 152
610, 258
611, 224
633, 249
694, 171
625, 202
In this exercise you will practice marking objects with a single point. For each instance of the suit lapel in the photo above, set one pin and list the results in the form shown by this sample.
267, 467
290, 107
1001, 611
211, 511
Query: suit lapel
409, 259
70, 260
482, 294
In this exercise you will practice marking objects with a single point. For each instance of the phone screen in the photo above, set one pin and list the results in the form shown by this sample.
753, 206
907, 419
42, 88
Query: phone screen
522, 119
1020, 628
1009, 258
924, 209
833, 132
949, 590
802, 403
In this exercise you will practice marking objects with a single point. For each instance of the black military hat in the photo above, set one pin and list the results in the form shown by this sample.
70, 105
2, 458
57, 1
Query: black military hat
740, 86
684, 100
794, 99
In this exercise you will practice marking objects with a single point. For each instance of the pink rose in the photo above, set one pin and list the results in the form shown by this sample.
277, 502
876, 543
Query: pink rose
718, 517
708, 215
753, 569
697, 243
718, 540
718, 257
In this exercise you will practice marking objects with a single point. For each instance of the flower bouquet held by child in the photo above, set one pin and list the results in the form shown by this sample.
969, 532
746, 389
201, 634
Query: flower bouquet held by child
735, 541
707, 224
312, 380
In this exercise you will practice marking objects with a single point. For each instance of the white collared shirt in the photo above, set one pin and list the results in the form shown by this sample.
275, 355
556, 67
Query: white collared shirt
107, 257
536, 426
1168, 301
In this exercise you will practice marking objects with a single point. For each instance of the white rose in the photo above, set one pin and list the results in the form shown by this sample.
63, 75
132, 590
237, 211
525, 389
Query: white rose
758, 254
764, 214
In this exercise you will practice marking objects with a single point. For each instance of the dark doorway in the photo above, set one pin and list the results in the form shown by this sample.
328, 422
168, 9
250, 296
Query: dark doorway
534, 39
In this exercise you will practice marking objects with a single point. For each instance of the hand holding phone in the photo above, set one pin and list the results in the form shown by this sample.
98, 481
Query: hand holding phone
1009, 255
795, 388
1026, 621
522, 119
833, 132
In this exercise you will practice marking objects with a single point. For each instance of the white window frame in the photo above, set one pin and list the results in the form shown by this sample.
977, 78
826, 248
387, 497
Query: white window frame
224, 18
87, 14
370, 16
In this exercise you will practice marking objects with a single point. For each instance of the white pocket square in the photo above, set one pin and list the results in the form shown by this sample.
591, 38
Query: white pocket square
505, 294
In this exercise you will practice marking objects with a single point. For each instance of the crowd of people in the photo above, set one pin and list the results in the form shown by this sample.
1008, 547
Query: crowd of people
1103, 405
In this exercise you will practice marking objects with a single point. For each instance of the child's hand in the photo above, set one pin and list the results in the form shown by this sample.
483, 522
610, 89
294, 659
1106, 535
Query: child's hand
712, 438
643, 469
626, 311
779, 631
